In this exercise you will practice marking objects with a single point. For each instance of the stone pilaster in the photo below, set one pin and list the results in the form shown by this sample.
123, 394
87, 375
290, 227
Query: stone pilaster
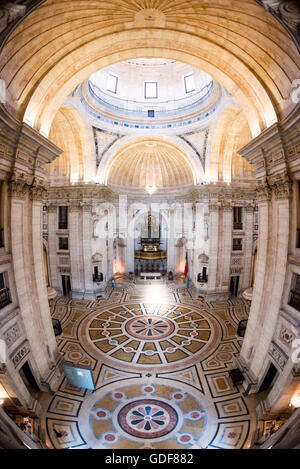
171, 242
213, 247
87, 251
75, 249
248, 244
226, 246
52, 243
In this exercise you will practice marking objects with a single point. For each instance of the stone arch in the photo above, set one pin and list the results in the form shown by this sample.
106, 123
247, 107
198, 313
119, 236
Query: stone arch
125, 167
231, 133
70, 133
56, 47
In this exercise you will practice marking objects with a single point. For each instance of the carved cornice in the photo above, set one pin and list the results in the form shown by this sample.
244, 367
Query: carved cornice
288, 13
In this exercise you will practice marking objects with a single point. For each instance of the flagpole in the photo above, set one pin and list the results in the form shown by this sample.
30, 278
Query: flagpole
186, 270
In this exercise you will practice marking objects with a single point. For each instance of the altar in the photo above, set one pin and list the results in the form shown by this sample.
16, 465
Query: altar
150, 275
150, 262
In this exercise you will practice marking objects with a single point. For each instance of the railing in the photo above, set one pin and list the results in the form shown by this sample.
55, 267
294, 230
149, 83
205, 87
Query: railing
1, 238
295, 299
237, 225
4, 298
203, 278
237, 247
136, 108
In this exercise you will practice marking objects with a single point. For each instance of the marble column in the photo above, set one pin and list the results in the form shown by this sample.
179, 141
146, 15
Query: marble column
274, 212
122, 228
199, 238
75, 243
171, 242
213, 246
130, 241
226, 246
259, 287
87, 251
248, 224
26, 240
52, 243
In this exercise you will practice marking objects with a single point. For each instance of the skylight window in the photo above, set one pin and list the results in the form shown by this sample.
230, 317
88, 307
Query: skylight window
189, 83
151, 89
112, 83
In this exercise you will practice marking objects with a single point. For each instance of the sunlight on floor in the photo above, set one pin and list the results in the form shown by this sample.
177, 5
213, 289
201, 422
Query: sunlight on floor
153, 292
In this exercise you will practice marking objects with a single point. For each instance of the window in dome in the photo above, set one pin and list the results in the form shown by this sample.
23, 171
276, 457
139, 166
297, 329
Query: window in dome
112, 83
151, 89
189, 83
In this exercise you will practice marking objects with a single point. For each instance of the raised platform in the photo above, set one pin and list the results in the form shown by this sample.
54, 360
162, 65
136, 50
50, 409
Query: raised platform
150, 276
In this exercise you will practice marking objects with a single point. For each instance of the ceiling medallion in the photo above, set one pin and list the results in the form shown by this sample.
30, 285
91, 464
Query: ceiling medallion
149, 17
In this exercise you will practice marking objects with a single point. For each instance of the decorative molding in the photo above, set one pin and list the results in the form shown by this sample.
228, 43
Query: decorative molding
12, 334
63, 270
18, 187
288, 13
263, 191
213, 207
20, 354
97, 257
37, 191
278, 355
281, 185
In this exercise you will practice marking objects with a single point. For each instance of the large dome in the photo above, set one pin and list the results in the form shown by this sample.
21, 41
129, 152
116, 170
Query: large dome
148, 166
142, 85
145, 95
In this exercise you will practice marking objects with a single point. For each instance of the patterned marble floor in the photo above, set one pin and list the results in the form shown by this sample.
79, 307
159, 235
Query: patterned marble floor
160, 361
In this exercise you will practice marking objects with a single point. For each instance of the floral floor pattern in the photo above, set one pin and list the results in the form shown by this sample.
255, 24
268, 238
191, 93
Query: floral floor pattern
161, 369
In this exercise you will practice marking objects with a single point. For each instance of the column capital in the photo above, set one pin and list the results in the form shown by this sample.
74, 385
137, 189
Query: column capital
51, 208
249, 208
227, 206
281, 185
213, 206
86, 206
37, 191
263, 191
18, 186
74, 206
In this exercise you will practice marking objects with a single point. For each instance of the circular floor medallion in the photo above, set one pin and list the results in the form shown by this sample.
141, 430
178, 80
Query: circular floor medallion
150, 327
143, 335
147, 418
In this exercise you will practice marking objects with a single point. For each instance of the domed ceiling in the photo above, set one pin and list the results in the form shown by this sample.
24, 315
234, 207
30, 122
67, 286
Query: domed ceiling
161, 85
145, 95
150, 165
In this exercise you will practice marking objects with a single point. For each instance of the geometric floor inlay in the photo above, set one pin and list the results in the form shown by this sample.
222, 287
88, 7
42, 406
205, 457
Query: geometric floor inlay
161, 365
144, 334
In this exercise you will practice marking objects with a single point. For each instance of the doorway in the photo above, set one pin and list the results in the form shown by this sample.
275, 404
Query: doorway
28, 377
269, 378
66, 284
234, 285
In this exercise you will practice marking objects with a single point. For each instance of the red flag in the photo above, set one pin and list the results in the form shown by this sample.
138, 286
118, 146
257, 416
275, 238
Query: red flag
186, 268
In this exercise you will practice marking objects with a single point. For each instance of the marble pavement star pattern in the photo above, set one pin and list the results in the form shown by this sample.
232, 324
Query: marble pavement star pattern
161, 366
